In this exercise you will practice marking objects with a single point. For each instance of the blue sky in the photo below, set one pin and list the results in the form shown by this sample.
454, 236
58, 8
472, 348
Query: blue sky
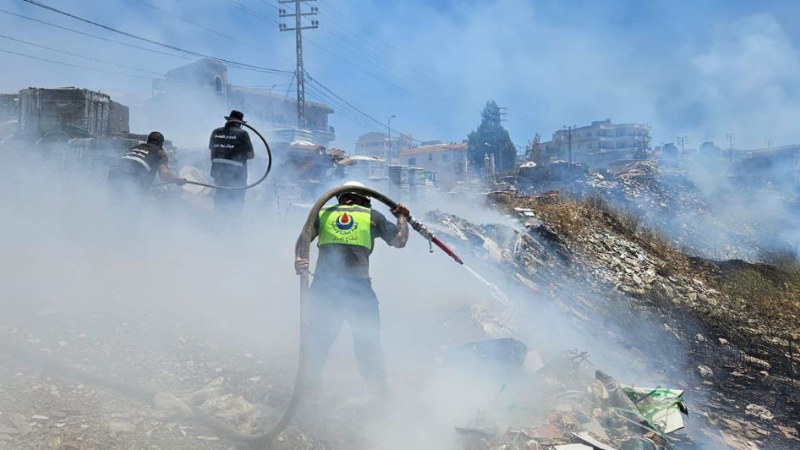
697, 68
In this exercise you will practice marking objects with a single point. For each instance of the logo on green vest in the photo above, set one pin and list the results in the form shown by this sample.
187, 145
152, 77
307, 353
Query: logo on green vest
345, 223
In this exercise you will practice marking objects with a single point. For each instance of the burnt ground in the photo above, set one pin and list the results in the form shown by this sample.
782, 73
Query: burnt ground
735, 322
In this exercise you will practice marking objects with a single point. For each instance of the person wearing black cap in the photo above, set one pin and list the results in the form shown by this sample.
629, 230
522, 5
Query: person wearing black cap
135, 171
230, 149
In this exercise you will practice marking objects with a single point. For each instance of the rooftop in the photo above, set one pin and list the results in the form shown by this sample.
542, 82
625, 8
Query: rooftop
434, 148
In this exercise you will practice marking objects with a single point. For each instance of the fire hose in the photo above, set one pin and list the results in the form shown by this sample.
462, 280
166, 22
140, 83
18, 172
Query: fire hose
193, 411
234, 188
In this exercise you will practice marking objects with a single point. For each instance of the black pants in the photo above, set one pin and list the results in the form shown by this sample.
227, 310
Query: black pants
331, 303
229, 203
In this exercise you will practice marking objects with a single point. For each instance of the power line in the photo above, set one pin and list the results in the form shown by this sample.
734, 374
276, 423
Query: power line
253, 12
352, 22
94, 36
78, 56
429, 89
269, 4
325, 49
355, 108
381, 60
210, 30
169, 46
379, 54
316, 95
73, 65
346, 102
344, 109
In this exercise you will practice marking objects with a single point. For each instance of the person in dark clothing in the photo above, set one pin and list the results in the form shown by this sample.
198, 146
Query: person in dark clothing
230, 148
135, 171
342, 289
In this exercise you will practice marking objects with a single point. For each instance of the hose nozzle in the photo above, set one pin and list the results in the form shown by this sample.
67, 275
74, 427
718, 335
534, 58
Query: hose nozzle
420, 228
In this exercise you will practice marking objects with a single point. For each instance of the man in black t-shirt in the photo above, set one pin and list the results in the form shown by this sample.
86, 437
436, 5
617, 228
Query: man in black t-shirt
342, 290
135, 171
230, 148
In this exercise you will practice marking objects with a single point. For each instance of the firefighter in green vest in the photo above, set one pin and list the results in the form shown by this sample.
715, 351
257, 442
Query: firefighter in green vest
342, 290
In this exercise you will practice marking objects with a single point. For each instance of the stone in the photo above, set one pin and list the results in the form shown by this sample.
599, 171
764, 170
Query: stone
121, 427
705, 371
759, 412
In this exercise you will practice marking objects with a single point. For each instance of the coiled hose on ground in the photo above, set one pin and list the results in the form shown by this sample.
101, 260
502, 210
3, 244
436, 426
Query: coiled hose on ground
235, 188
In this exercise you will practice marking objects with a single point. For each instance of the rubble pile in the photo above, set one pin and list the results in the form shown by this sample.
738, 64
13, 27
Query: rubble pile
609, 282
564, 406
666, 198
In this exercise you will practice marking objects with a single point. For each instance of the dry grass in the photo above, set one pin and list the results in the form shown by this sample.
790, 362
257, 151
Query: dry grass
768, 293
576, 218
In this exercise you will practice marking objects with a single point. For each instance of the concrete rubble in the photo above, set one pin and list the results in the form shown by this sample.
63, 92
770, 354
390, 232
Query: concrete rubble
627, 284
668, 198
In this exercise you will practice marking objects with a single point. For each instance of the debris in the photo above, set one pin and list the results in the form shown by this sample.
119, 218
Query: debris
121, 427
617, 397
504, 353
587, 438
663, 408
759, 412
548, 431
598, 389
572, 447
594, 427
705, 371
789, 432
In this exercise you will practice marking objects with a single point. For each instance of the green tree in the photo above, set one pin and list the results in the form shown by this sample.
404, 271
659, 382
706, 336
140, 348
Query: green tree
534, 151
492, 138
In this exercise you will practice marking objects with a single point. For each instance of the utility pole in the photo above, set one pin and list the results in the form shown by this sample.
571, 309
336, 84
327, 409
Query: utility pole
730, 137
389, 139
503, 112
682, 141
769, 143
569, 140
300, 71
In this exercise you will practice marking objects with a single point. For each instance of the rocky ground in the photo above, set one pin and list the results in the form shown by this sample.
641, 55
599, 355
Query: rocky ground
704, 211
742, 363
590, 291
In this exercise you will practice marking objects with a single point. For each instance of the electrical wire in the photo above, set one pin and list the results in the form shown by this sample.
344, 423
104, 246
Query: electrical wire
154, 42
326, 89
79, 56
210, 30
252, 12
94, 36
73, 65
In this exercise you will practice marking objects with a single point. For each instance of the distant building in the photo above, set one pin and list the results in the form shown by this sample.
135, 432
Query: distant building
601, 142
669, 151
206, 83
449, 161
710, 150
70, 112
379, 145
9, 107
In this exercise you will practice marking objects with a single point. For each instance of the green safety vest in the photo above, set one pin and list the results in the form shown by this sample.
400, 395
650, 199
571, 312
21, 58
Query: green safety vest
345, 224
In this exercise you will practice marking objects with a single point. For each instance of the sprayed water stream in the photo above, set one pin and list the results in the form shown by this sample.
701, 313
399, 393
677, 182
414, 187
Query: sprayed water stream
498, 295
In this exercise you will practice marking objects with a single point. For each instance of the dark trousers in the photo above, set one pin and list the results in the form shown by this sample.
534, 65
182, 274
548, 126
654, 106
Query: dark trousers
332, 302
229, 203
